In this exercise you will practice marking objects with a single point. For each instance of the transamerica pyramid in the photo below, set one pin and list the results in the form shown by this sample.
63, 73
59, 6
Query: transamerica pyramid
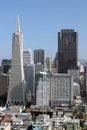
16, 91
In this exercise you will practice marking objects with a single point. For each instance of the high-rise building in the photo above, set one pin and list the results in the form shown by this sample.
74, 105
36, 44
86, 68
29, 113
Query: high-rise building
55, 61
16, 92
49, 64
27, 57
29, 71
67, 50
43, 89
61, 90
39, 56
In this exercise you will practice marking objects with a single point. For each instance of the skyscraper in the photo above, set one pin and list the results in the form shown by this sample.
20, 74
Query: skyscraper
39, 56
42, 88
27, 57
49, 64
67, 50
30, 80
42, 92
16, 92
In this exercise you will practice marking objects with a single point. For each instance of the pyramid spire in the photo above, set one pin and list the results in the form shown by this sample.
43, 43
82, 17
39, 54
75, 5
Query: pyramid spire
17, 25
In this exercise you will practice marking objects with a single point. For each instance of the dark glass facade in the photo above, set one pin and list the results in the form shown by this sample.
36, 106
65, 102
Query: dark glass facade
67, 50
39, 56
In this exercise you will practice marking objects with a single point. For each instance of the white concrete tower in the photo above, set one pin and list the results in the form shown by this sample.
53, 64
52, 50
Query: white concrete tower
27, 57
16, 91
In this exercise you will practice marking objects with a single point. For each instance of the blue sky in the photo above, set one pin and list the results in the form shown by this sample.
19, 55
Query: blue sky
40, 22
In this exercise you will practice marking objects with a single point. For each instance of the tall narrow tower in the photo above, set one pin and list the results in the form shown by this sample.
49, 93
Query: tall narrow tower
39, 56
16, 91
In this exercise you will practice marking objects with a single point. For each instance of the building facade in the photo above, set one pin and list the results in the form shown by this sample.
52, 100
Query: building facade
38, 67
4, 84
55, 61
16, 91
29, 71
67, 50
39, 56
75, 74
49, 64
76, 89
61, 90
1, 69
27, 57
6, 64
42, 92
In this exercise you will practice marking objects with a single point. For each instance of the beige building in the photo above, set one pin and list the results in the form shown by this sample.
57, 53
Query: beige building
38, 67
49, 64
4, 83
54, 70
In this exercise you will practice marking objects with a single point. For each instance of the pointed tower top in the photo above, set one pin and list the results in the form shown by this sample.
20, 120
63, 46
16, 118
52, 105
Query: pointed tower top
17, 25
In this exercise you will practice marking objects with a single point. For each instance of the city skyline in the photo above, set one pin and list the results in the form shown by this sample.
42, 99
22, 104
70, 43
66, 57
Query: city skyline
40, 23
